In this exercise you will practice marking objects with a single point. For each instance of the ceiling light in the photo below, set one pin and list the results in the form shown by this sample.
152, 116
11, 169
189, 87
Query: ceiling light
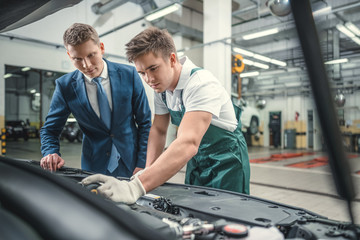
248, 62
335, 61
322, 11
277, 62
243, 52
255, 64
345, 31
262, 58
261, 34
33, 91
37, 94
249, 74
353, 28
8, 75
162, 12
356, 39
25, 69
260, 65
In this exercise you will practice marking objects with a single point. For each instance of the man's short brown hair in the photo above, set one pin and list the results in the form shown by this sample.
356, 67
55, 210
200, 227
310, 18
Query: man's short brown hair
79, 33
151, 40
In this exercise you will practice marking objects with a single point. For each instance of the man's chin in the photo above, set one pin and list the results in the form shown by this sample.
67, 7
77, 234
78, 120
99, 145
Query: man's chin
159, 90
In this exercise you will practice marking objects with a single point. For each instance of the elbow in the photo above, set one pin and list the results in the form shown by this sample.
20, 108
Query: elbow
192, 149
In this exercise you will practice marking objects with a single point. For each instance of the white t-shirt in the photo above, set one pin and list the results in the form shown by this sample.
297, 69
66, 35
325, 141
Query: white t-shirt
201, 92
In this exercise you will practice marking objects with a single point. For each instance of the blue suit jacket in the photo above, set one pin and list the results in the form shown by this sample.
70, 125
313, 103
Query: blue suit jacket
130, 124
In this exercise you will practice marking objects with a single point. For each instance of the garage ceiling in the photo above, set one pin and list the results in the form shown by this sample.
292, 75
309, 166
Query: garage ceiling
249, 16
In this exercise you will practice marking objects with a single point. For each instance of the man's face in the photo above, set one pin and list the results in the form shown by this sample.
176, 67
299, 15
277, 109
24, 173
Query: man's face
157, 72
87, 57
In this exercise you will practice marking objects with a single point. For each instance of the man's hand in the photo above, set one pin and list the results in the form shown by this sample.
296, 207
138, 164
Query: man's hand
116, 190
52, 162
137, 169
137, 172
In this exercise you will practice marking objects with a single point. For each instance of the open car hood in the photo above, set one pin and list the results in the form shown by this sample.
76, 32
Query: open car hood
18, 13
171, 211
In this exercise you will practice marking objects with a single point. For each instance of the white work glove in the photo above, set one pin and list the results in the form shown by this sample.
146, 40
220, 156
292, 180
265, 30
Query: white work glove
137, 174
117, 190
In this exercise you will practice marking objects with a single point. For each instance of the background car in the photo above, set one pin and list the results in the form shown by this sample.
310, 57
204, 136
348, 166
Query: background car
17, 129
72, 131
250, 117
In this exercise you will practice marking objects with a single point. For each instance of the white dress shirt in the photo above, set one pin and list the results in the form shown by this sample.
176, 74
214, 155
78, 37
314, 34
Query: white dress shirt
91, 89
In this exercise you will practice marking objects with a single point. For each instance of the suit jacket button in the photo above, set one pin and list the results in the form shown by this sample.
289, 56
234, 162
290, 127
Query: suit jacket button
107, 153
112, 135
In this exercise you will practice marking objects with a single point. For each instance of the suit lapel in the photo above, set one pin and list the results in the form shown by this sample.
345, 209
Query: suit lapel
80, 91
115, 83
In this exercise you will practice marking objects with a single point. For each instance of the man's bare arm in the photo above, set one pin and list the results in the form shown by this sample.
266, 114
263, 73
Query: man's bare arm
190, 133
157, 138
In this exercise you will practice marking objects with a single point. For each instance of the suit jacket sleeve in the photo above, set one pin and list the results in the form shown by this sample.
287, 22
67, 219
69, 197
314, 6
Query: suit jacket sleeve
55, 121
142, 114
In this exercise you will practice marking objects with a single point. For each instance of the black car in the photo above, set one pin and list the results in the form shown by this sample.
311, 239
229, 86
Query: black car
72, 132
17, 129
37, 204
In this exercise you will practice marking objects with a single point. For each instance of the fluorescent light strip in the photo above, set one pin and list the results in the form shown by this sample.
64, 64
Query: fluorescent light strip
162, 12
8, 75
277, 62
261, 34
33, 91
262, 58
249, 74
25, 69
322, 11
335, 61
353, 28
257, 56
248, 62
345, 31
356, 39
243, 52
256, 64
260, 65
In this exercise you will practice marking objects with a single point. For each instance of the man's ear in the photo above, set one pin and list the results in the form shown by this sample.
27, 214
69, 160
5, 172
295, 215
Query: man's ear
102, 47
68, 54
173, 59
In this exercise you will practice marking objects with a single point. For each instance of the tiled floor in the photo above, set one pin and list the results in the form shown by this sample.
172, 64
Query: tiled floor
309, 188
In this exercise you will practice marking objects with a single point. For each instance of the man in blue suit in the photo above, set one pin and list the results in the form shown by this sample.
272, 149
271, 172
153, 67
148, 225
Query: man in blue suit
115, 139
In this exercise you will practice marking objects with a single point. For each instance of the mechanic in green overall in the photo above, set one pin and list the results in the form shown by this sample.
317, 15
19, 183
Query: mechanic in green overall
209, 138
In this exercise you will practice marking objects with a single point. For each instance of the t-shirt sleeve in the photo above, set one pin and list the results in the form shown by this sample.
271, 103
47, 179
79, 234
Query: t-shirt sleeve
160, 107
203, 93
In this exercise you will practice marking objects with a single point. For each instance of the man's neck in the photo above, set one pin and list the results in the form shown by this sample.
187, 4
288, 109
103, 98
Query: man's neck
177, 73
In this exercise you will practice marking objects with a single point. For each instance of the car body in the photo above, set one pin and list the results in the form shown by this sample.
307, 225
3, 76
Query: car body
72, 131
250, 117
17, 129
38, 204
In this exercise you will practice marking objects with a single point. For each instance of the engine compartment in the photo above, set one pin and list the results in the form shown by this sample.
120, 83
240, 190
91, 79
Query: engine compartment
171, 211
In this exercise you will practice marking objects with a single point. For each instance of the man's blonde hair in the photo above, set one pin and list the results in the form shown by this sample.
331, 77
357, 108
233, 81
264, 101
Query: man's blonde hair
151, 40
79, 33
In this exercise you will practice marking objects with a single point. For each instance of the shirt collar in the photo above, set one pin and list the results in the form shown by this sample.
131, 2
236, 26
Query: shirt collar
103, 74
187, 66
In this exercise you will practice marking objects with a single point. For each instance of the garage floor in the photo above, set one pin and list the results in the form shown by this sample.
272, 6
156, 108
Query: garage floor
299, 178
